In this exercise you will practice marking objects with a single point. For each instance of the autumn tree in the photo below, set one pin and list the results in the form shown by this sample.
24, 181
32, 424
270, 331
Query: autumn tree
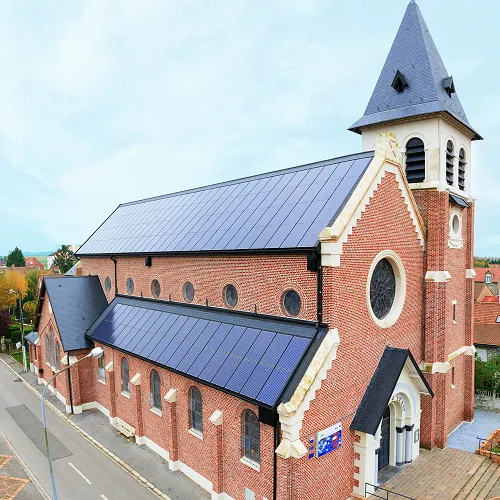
29, 311
12, 280
32, 279
64, 259
15, 258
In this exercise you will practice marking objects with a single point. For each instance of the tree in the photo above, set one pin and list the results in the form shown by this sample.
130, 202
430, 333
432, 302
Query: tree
15, 258
5, 322
485, 378
64, 259
32, 278
29, 311
12, 280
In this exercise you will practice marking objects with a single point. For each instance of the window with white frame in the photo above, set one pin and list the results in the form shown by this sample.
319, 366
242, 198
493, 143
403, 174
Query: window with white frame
488, 278
250, 436
125, 376
101, 371
155, 389
195, 410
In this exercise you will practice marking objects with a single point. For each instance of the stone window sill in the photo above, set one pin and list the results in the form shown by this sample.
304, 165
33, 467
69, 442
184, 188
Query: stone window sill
103, 382
156, 411
126, 394
196, 433
250, 463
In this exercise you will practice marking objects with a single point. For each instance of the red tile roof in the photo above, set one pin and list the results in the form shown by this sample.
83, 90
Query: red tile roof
33, 262
481, 271
490, 299
486, 313
486, 329
487, 334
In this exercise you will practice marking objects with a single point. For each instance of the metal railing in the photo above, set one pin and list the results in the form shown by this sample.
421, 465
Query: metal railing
388, 494
493, 444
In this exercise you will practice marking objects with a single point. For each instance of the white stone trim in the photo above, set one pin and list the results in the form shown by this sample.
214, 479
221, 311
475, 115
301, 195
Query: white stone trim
136, 379
196, 433
192, 474
436, 367
143, 440
291, 413
250, 463
37, 341
438, 276
333, 237
400, 297
470, 273
156, 411
455, 239
122, 426
171, 395
216, 417
125, 394
97, 406
109, 367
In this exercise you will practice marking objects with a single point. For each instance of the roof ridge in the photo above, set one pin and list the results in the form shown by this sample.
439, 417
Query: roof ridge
349, 157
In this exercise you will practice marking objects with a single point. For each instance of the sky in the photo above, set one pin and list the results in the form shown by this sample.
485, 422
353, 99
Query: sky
108, 101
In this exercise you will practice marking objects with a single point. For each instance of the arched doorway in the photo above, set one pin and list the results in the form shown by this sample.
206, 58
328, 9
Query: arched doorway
385, 439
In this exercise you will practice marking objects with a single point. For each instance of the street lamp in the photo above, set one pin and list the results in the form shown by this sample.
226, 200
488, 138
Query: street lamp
23, 347
96, 352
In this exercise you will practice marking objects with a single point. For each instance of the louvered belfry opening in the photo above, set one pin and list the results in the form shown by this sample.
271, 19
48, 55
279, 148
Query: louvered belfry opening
450, 157
461, 169
415, 160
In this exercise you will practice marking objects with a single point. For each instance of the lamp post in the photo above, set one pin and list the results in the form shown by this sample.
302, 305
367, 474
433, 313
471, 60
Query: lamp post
23, 347
97, 352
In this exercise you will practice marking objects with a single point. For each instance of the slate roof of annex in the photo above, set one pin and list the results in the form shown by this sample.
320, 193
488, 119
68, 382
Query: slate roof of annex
415, 56
285, 209
256, 357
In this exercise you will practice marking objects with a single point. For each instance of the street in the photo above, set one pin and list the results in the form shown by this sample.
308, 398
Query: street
81, 471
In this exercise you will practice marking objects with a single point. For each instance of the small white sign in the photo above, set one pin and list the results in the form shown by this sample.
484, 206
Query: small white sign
18, 345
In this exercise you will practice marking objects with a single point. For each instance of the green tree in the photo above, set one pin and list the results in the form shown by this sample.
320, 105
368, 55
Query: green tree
64, 259
29, 311
15, 258
485, 374
32, 277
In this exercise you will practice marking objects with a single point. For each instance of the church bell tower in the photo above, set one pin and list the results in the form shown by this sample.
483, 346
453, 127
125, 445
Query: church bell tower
416, 99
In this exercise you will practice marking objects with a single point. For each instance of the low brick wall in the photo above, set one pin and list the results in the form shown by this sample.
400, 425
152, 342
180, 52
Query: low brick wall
485, 448
487, 400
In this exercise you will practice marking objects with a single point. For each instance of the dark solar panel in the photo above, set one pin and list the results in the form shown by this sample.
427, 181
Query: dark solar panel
276, 210
245, 354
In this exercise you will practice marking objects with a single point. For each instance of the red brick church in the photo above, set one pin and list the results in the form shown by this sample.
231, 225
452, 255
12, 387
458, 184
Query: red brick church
290, 334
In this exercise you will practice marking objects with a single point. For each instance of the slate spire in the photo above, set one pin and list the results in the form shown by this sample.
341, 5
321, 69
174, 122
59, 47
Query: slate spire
414, 80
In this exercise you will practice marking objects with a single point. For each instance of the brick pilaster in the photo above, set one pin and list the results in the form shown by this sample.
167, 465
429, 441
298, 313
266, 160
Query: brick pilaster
171, 399
216, 419
112, 395
136, 396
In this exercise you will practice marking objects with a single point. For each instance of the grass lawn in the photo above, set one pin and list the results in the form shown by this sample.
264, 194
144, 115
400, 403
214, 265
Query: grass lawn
18, 356
15, 331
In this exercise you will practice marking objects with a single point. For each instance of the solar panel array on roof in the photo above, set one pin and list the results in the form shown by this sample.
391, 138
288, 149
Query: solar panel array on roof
280, 210
254, 357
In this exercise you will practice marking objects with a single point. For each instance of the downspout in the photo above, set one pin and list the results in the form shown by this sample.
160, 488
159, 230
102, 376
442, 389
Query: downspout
275, 465
116, 282
69, 388
320, 294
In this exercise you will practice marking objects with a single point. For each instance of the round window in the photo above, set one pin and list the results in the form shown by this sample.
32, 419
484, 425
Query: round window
386, 289
130, 285
107, 283
455, 224
230, 295
188, 291
155, 288
291, 302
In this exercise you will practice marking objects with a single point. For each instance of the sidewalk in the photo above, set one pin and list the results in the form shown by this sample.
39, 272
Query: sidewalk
140, 458
14, 482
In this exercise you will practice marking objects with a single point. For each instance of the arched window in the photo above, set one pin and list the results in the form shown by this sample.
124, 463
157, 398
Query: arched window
58, 356
47, 350
51, 346
125, 377
250, 436
101, 370
195, 410
461, 169
155, 390
415, 160
450, 160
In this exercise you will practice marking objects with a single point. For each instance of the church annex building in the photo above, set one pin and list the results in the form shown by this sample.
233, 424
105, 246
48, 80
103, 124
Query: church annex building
288, 335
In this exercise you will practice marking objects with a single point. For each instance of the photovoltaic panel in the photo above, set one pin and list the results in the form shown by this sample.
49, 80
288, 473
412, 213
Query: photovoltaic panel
246, 354
267, 211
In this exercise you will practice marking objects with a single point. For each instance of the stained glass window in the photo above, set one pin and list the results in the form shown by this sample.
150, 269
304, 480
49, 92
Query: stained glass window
58, 356
188, 291
107, 283
230, 295
130, 285
250, 436
101, 371
155, 390
155, 288
195, 410
382, 288
291, 302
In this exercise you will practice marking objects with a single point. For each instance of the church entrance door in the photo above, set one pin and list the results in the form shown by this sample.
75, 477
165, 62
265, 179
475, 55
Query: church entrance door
385, 439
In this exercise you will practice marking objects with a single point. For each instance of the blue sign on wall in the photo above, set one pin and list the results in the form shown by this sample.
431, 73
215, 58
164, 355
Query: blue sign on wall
329, 439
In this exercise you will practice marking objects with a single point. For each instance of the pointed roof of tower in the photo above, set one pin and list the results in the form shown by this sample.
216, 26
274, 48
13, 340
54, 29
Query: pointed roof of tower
414, 80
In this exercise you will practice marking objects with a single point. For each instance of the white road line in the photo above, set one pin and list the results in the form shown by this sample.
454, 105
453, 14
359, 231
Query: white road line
71, 465
103, 497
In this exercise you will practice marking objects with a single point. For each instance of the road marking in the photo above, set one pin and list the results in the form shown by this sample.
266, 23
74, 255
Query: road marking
71, 465
103, 497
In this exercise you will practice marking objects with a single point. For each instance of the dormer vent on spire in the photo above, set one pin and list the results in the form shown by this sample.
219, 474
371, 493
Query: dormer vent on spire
449, 86
399, 83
